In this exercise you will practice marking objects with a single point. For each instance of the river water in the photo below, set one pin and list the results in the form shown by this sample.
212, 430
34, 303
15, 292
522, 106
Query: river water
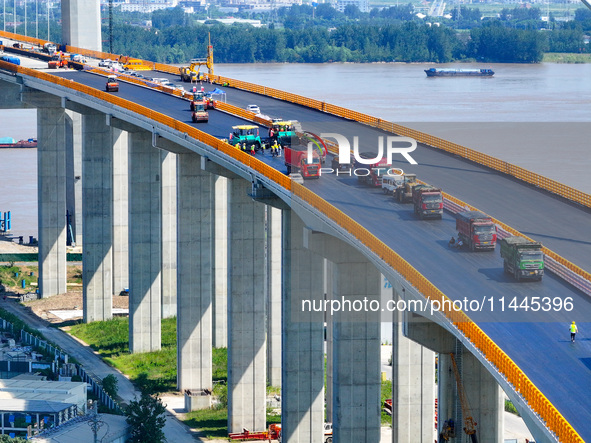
535, 116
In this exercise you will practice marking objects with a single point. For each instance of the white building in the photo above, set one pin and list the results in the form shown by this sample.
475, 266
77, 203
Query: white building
362, 5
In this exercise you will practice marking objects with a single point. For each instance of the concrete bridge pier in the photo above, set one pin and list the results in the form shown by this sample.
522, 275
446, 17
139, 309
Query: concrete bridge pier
220, 277
196, 222
98, 144
145, 243
484, 395
246, 311
413, 384
302, 391
51, 185
121, 213
169, 233
74, 174
356, 341
274, 278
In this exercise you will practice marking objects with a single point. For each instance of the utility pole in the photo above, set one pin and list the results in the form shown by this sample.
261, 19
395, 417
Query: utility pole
95, 422
110, 26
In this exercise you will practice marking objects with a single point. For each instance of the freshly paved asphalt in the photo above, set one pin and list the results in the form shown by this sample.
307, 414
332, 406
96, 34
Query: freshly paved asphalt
537, 341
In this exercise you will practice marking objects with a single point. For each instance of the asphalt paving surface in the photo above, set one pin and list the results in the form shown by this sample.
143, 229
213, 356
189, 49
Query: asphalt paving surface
537, 341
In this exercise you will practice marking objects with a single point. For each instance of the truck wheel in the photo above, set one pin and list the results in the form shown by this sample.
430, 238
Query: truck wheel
516, 274
328, 440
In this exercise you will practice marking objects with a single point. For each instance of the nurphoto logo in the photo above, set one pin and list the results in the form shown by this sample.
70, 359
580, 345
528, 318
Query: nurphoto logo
394, 145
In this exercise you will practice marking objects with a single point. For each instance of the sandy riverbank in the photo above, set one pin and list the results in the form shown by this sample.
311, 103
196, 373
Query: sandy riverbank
8, 246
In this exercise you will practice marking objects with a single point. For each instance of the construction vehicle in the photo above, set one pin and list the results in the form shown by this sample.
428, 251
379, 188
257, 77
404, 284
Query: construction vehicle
375, 171
57, 61
112, 84
209, 101
476, 230
49, 48
390, 183
318, 143
469, 423
427, 201
246, 135
198, 99
191, 73
133, 64
282, 132
404, 192
199, 113
522, 258
337, 166
273, 433
296, 160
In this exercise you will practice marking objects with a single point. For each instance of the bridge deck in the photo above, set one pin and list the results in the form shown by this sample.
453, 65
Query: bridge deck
538, 342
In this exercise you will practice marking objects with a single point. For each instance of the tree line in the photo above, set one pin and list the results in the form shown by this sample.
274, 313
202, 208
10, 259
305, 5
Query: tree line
403, 41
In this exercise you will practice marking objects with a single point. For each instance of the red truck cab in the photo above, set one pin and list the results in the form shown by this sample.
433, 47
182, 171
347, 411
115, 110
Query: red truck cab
477, 230
296, 160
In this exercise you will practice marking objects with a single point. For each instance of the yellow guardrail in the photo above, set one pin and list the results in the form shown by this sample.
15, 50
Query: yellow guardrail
491, 351
24, 38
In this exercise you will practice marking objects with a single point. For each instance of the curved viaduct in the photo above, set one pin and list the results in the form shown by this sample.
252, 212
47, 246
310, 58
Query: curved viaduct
330, 227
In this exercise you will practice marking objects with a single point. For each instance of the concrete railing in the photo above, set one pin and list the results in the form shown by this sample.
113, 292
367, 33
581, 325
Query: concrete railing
547, 412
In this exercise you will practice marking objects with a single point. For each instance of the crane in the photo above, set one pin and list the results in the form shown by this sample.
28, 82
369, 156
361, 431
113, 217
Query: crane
191, 73
469, 423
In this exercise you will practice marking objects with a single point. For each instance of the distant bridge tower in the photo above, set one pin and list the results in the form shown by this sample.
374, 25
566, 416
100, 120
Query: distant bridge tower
81, 24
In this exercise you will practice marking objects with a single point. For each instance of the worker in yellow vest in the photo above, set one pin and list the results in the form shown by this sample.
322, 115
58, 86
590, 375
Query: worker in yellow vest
573, 330
252, 149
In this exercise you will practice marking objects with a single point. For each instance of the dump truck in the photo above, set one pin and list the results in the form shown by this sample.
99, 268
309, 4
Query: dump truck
296, 160
199, 113
371, 174
112, 84
522, 258
246, 135
428, 201
404, 192
476, 230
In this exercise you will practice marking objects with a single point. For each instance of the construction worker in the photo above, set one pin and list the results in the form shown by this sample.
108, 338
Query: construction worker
573, 330
238, 146
252, 149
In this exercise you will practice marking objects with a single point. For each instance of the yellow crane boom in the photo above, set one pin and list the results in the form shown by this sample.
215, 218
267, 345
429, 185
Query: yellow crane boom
469, 423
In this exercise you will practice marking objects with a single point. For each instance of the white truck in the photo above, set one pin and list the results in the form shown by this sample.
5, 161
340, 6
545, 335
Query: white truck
49, 48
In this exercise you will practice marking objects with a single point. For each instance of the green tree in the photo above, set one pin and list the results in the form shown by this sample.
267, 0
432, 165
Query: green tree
146, 418
110, 385
6, 439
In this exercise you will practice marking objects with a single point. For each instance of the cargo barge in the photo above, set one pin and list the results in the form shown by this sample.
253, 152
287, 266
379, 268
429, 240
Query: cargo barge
443, 72
30, 143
